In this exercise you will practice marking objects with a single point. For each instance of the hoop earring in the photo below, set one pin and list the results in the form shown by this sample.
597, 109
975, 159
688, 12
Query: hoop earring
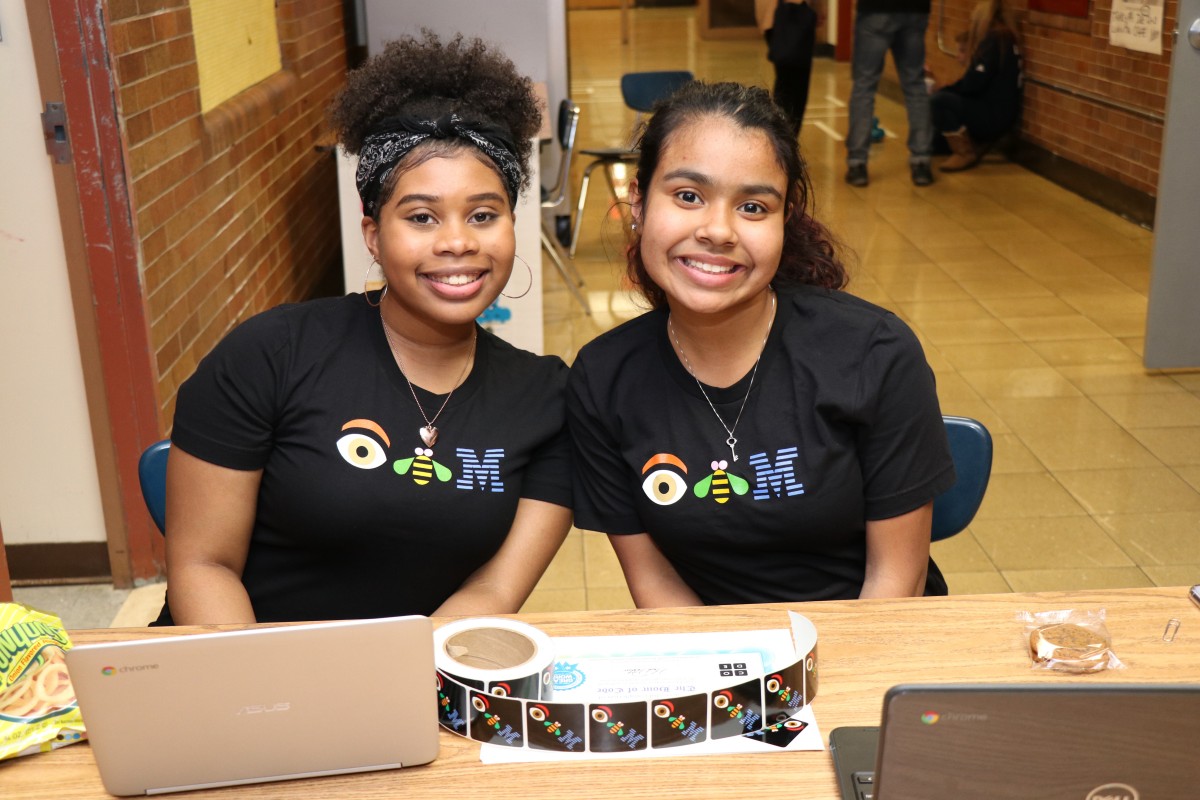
527, 288
366, 291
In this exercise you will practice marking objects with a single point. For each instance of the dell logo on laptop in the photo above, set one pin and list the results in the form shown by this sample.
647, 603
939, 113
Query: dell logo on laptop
1113, 791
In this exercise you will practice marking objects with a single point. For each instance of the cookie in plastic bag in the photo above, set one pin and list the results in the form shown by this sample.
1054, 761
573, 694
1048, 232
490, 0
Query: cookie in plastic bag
1069, 641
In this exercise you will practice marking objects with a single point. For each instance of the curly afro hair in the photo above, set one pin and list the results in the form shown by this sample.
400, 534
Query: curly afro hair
425, 77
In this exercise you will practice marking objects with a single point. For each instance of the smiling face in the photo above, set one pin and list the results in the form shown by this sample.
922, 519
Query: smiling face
712, 217
445, 240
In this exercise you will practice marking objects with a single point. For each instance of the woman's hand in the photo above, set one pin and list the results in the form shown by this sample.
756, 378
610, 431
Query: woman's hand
210, 516
503, 584
652, 579
898, 554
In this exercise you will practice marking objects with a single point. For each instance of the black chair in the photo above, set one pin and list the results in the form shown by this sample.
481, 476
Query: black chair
640, 91
971, 447
553, 200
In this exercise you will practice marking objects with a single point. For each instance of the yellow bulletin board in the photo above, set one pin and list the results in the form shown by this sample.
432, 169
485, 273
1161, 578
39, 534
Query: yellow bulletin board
237, 45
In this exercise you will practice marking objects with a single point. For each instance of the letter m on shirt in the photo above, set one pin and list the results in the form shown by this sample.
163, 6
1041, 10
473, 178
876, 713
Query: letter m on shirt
482, 474
776, 479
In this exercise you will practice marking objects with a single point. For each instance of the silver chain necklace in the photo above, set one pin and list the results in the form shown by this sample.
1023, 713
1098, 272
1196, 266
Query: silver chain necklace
732, 440
429, 434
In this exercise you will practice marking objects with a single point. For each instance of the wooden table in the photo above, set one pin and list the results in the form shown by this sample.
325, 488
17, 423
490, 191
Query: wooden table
865, 647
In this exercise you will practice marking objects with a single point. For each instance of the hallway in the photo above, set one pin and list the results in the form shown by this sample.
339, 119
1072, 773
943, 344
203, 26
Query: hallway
1030, 303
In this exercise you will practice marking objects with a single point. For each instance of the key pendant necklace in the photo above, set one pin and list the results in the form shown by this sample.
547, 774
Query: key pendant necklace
428, 433
732, 441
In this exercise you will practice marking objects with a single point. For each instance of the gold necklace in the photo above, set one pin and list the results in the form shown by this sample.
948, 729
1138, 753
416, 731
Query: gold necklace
732, 440
429, 434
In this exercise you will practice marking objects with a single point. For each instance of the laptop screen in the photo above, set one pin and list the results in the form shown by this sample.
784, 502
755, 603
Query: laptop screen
1068, 741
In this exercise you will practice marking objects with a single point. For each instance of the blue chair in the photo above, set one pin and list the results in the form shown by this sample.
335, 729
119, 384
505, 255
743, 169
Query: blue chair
152, 474
971, 447
640, 91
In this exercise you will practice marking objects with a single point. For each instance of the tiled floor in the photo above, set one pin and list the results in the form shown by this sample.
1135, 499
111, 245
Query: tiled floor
96, 605
1030, 303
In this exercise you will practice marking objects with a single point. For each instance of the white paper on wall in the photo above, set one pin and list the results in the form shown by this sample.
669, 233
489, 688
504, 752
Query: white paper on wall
1137, 26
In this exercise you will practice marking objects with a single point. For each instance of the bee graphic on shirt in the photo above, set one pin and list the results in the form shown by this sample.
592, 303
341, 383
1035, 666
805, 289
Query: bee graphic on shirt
721, 483
423, 467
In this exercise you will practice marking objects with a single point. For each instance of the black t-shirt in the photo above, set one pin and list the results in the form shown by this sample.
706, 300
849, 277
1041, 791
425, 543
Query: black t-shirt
842, 425
352, 521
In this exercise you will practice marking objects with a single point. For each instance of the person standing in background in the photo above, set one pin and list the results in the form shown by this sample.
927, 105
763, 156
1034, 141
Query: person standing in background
899, 26
793, 67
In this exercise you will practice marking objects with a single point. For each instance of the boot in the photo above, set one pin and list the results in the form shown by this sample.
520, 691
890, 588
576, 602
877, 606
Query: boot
966, 153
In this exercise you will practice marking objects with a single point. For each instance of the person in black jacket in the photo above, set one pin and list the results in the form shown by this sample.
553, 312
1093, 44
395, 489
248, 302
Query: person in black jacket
985, 103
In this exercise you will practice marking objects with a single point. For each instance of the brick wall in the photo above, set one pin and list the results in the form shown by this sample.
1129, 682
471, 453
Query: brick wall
235, 210
1119, 136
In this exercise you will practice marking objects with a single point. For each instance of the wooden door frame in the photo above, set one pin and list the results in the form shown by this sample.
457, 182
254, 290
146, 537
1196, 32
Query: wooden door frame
844, 37
101, 243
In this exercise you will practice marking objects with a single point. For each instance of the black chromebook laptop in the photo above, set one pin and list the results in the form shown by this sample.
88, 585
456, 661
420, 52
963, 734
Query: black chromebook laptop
1067, 741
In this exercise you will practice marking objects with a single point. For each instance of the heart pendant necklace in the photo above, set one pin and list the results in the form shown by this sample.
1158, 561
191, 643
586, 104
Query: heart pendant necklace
428, 433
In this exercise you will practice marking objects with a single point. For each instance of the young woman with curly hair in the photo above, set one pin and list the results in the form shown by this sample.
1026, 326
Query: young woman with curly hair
759, 435
381, 454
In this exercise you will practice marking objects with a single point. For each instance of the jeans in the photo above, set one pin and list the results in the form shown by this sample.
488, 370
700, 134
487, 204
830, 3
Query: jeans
874, 35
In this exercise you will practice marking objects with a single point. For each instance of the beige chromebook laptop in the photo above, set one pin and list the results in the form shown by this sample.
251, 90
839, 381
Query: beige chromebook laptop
189, 712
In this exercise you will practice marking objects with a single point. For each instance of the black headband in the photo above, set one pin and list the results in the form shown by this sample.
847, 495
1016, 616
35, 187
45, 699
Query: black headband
395, 137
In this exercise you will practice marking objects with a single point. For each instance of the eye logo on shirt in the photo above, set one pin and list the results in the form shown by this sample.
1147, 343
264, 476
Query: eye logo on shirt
361, 450
663, 486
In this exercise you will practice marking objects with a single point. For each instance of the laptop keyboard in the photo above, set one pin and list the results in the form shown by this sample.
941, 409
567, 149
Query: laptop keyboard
864, 785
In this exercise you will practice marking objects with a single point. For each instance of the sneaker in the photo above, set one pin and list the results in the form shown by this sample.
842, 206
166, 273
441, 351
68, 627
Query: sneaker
922, 175
856, 175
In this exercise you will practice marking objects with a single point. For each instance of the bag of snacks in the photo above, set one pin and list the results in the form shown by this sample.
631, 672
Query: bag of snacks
1069, 641
38, 711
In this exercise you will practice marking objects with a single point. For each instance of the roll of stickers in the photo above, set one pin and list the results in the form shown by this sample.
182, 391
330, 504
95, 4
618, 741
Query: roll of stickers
495, 686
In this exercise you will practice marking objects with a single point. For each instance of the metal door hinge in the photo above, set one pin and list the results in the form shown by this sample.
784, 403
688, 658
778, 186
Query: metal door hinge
54, 127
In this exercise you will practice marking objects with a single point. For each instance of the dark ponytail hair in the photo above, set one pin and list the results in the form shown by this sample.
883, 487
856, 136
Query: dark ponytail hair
809, 254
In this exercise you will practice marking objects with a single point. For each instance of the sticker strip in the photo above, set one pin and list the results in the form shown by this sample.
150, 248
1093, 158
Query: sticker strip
494, 686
